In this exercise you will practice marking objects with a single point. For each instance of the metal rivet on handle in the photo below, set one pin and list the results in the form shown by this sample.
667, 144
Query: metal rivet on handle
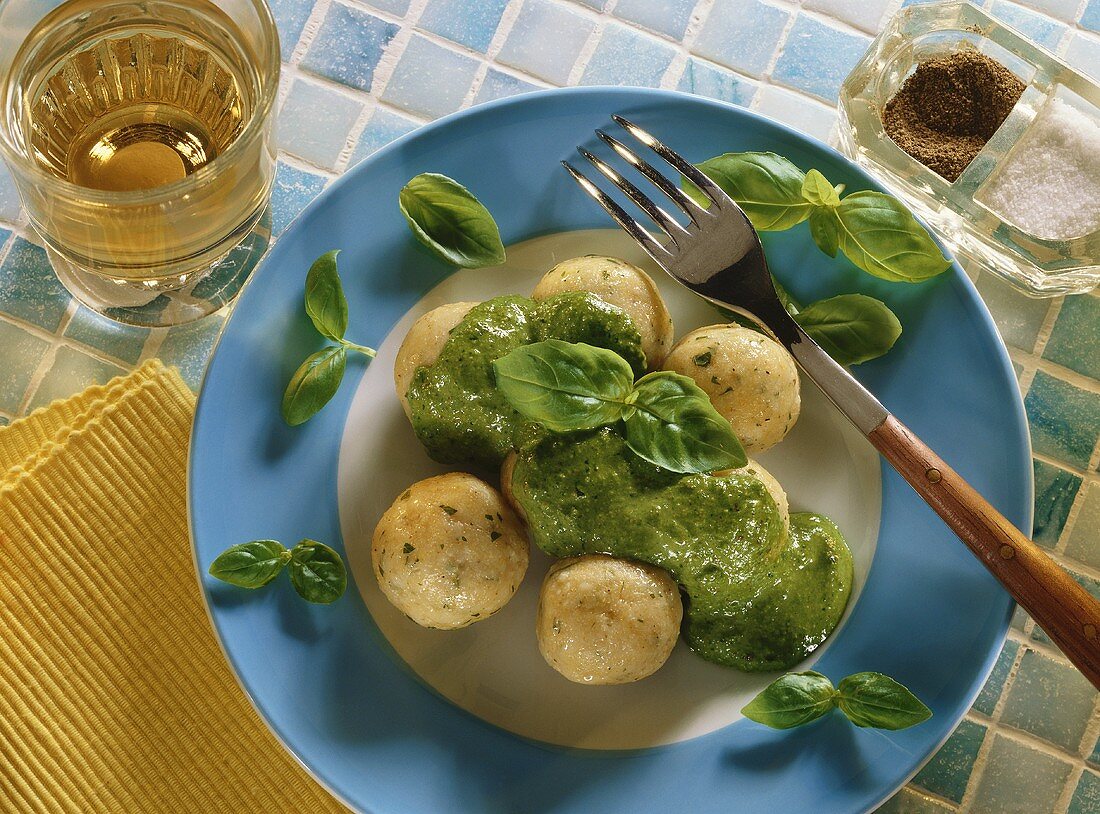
1008, 552
1090, 631
934, 475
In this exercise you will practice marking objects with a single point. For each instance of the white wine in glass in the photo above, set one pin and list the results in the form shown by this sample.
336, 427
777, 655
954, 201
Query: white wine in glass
139, 136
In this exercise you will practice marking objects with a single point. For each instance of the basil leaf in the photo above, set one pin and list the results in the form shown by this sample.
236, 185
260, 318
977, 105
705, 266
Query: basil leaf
881, 236
767, 186
852, 328
817, 190
565, 386
451, 222
250, 565
325, 301
825, 230
876, 700
317, 572
313, 384
792, 700
674, 425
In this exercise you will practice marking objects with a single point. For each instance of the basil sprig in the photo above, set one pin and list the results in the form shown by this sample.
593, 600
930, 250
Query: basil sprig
866, 699
873, 230
666, 418
316, 571
453, 224
318, 378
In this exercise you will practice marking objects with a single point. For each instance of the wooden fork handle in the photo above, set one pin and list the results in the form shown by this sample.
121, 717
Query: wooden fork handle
1065, 610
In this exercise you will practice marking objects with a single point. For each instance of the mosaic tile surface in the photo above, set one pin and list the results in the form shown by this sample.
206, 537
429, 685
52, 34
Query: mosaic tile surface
360, 73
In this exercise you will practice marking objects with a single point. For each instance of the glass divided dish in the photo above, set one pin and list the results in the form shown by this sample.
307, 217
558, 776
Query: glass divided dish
955, 210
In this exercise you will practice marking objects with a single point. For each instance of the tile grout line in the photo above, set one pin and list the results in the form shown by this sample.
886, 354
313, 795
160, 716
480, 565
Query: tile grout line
504, 28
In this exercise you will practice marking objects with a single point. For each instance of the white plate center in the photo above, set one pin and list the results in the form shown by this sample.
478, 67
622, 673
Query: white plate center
493, 669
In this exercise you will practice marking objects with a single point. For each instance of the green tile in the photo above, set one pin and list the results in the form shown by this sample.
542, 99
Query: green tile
1086, 798
1019, 780
188, 347
991, 692
22, 352
71, 372
1050, 700
912, 801
1065, 420
1055, 489
1018, 316
1088, 583
1083, 543
29, 289
1075, 340
124, 342
947, 773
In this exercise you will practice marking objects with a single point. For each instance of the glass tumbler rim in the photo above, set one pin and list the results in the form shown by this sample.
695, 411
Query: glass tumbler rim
269, 65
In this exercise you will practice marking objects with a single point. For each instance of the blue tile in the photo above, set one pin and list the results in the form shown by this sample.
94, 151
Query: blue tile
469, 22
1038, 27
123, 342
9, 198
383, 127
498, 84
1086, 797
1094, 758
704, 79
1018, 316
668, 17
742, 34
188, 348
314, 123
1075, 340
1083, 54
596, 4
22, 354
1050, 700
624, 56
546, 40
1055, 490
290, 19
816, 57
1064, 419
429, 79
71, 372
29, 289
991, 692
294, 188
947, 773
1090, 18
349, 45
863, 14
1082, 542
798, 110
394, 7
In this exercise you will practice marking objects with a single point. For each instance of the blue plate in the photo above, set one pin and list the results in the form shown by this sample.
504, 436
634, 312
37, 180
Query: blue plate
324, 678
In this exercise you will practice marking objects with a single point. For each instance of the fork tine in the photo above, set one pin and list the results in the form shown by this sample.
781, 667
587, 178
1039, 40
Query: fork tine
630, 226
659, 216
686, 204
678, 162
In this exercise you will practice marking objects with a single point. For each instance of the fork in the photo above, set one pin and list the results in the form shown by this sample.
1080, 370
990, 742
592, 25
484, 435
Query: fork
718, 255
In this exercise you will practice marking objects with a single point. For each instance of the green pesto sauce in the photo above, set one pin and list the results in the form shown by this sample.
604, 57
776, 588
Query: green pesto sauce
457, 412
757, 599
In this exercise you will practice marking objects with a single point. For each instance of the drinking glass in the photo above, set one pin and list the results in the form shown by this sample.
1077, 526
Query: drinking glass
139, 136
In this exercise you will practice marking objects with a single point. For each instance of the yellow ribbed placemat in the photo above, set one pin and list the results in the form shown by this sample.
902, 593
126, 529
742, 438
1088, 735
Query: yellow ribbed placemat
114, 694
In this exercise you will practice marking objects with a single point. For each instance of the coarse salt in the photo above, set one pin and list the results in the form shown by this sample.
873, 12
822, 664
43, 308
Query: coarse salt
1049, 185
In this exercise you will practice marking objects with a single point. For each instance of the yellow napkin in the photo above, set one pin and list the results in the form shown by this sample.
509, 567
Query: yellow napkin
114, 694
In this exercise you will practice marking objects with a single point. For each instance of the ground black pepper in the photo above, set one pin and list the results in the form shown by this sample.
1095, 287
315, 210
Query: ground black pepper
949, 108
